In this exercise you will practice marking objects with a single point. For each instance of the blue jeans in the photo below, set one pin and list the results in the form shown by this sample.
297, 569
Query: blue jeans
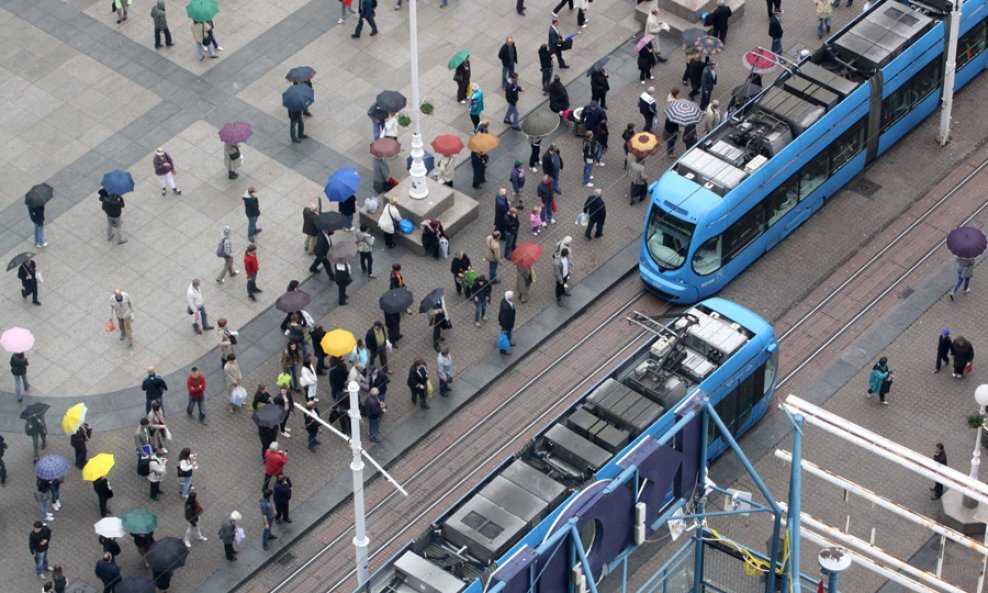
39, 234
546, 213
511, 115
40, 562
479, 310
202, 317
509, 243
960, 280
18, 380
186, 484
349, 220
555, 184
777, 46
505, 73
378, 128
44, 509
587, 170
266, 534
374, 427
54, 492
820, 22
492, 270
201, 402
251, 227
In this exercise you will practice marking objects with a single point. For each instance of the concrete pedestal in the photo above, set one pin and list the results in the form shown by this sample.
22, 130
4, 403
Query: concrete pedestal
453, 209
957, 516
685, 14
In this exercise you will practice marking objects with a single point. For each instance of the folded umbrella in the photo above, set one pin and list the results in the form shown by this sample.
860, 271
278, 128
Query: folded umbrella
342, 184
18, 259
38, 195
269, 416
483, 142
235, 132
343, 248
526, 254
35, 409
98, 467
385, 148
139, 521
138, 584
458, 58
17, 339
201, 11
109, 527
432, 300
708, 46
51, 467
683, 112
540, 123
391, 101
73, 418
338, 342
447, 145
643, 144
118, 182
396, 301
598, 65
966, 242
300, 74
298, 97
292, 301
328, 222
167, 554
645, 40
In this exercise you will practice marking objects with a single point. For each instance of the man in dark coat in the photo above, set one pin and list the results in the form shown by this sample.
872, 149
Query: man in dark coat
296, 126
508, 54
38, 218
282, 494
506, 317
707, 82
718, 19
113, 205
593, 115
478, 162
309, 215
693, 74
558, 96
647, 107
27, 273
545, 67
321, 252
501, 206
557, 43
108, 572
154, 389
940, 456
775, 31
366, 13
599, 87
462, 78
596, 212
348, 208
943, 349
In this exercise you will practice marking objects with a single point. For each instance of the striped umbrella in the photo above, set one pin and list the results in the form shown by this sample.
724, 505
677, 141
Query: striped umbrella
683, 112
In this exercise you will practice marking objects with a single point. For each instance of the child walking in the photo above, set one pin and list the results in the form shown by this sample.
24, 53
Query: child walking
535, 218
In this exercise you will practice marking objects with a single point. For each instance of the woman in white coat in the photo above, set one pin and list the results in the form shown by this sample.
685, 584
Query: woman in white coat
388, 222
309, 380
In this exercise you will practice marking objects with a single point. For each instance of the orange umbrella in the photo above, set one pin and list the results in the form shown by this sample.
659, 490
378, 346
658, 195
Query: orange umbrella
643, 144
483, 142
526, 254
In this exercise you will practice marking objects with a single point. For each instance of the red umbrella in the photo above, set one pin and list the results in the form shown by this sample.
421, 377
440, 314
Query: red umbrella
447, 145
526, 254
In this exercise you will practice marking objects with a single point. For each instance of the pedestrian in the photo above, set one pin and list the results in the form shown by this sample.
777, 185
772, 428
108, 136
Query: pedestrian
775, 29
345, 8
113, 205
109, 545
252, 209
37, 216
267, 517
458, 267
552, 165
508, 54
476, 106
195, 307
670, 129
545, 67
195, 383
224, 249
492, 254
103, 493
37, 542
78, 441
122, 308
158, 463
142, 438
478, 163
18, 368
944, 343
120, 7
518, 181
481, 294
227, 339
561, 269
524, 278
187, 464
824, 10
719, 20
343, 279
646, 60
143, 542
193, 514
200, 36
164, 166
296, 125
548, 199
599, 87
439, 321
511, 226
348, 208
963, 353
232, 157
388, 221
365, 243
374, 409
693, 73
107, 572
157, 426
880, 380
36, 428
775, 6
275, 461
282, 496
418, 383
3, 464
445, 170
511, 92
557, 43
309, 215
233, 377
588, 156
462, 78
160, 19
647, 107
535, 218
377, 344
940, 456
639, 183
311, 424
250, 270
321, 255
58, 579
655, 26
596, 213
286, 402
392, 322
44, 496
965, 271
228, 534
154, 388
501, 205
712, 116
708, 81
308, 379
519, 6
444, 369
558, 97
211, 36
506, 319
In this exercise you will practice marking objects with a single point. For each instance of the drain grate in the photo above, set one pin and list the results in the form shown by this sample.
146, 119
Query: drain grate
286, 559
865, 187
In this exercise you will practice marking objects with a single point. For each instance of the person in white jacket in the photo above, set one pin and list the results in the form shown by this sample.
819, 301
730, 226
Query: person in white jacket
654, 26
390, 129
309, 380
196, 308
388, 222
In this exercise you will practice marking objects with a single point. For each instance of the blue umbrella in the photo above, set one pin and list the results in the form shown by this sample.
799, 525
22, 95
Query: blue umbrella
51, 467
427, 159
118, 182
298, 97
342, 184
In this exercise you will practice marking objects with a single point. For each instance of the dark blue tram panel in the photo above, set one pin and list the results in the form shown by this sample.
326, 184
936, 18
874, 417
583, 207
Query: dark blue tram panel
758, 176
610, 463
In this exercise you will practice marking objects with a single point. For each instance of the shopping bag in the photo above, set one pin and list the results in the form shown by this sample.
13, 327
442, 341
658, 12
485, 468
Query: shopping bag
968, 368
503, 342
405, 226
238, 396
428, 387
284, 380
582, 219
110, 326
239, 536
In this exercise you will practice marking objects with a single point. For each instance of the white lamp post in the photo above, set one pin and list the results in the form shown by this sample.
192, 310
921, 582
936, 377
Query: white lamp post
360, 540
418, 190
980, 396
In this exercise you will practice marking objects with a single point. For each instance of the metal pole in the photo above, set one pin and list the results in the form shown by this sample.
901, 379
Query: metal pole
794, 500
950, 68
360, 540
975, 461
702, 484
418, 190
832, 581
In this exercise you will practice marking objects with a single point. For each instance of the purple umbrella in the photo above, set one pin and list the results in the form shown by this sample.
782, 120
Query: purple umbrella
966, 242
293, 300
236, 132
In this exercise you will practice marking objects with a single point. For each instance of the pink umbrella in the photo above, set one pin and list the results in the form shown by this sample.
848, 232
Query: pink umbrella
17, 339
643, 42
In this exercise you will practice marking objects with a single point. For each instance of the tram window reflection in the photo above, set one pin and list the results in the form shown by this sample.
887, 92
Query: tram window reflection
707, 259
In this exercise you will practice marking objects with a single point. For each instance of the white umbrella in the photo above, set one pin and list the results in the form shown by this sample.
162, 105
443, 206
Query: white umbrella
109, 527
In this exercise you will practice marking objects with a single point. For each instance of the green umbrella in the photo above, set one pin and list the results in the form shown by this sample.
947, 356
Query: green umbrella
139, 521
540, 123
202, 10
458, 58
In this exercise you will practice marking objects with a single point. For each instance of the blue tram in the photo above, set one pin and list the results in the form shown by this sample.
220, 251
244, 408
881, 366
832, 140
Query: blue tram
755, 178
570, 470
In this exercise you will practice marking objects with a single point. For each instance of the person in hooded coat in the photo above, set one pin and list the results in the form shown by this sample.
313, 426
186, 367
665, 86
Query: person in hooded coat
161, 25
558, 96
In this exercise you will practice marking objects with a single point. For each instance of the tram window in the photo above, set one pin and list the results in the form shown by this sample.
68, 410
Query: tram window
668, 238
972, 43
844, 148
745, 230
812, 175
748, 391
910, 94
782, 200
707, 259
771, 366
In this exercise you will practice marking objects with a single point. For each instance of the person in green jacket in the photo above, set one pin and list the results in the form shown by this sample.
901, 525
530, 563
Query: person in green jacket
161, 25
120, 6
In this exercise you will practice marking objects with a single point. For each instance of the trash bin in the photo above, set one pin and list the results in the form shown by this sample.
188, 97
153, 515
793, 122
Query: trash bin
578, 128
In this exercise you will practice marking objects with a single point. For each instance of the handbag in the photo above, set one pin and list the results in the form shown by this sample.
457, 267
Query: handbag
189, 310
235, 154
110, 326
968, 368
428, 387
405, 226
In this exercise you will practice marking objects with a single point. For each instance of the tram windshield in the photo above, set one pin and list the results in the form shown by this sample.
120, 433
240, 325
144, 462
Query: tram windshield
668, 238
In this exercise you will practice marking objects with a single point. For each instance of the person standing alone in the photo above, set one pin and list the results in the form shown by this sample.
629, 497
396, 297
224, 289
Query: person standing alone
940, 456
161, 25
225, 250
122, 308
880, 380
252, 209
37, 215
27, 273
365, 13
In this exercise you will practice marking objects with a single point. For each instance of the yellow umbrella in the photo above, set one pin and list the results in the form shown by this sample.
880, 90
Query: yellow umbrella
338, 342
483, 142
97, 467
73, 418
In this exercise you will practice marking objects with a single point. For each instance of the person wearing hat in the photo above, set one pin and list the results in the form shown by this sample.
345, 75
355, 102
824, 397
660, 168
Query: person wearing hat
708, 80
944, 343
712, 116
228, 533
164, 169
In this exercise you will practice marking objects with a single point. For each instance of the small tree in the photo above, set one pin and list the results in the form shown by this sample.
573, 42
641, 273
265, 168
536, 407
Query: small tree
403, 120
427, 107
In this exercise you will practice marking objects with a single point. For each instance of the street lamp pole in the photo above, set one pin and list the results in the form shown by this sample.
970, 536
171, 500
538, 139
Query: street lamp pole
980, 396
360, 539
419, 190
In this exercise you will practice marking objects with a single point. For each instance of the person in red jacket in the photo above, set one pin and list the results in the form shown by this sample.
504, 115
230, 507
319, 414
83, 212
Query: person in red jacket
196, 385
250, 268
275, 461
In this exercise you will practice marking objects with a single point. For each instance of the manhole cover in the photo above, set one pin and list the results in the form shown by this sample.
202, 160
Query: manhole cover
865, 187
286, 559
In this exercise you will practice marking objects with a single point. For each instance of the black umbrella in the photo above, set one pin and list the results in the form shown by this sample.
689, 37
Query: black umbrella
19, 259
35, 409
431, 301
166, 554
300, 74
376, 113
38, 195
292, 301
396, 301
138, 584
328, 222
746, 91
269, 416
391, 101
598, 65
297, 97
